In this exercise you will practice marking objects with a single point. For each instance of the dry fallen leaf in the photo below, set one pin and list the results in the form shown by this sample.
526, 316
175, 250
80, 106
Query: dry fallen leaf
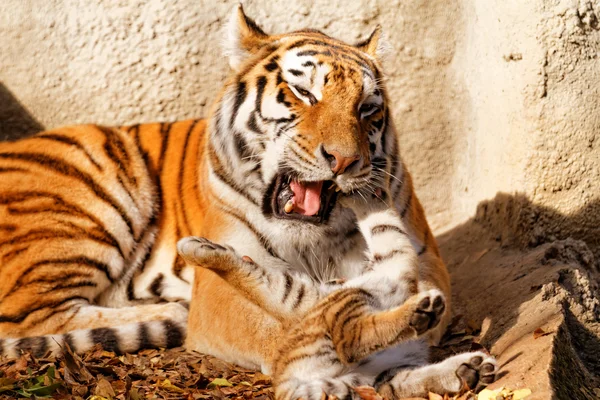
219, 382
539, 332
435, 396
104, 389
503, 393
167, 385
473, 327
367, 393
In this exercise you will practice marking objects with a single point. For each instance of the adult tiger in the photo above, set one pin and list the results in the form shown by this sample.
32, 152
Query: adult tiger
90, 216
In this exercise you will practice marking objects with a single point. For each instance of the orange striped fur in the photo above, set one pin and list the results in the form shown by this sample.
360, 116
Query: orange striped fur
90, 215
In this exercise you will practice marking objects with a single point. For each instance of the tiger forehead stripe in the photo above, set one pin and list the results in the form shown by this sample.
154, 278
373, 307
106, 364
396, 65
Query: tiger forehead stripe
348, 52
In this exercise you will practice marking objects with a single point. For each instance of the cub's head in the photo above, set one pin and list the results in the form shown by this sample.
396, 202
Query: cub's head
303, 118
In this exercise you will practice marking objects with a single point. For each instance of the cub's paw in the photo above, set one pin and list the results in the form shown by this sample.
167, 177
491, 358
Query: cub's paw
200, 251
477, 371
428, 312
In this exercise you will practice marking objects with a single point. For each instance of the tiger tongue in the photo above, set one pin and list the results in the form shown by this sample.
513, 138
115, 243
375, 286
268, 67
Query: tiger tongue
307, 197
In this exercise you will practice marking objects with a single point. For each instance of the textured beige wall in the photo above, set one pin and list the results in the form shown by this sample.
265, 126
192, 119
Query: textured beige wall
489, 95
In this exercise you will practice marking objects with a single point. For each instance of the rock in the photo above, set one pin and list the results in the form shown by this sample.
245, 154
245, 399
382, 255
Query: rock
538, 308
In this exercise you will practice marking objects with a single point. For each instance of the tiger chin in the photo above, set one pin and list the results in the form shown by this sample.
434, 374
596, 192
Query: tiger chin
90, 215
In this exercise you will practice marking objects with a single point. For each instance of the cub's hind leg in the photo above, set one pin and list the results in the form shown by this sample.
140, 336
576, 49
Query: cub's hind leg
475, 370
324, 352
358, 332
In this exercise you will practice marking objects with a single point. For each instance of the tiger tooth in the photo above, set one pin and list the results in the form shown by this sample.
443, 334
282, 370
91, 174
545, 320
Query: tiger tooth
289, 206
337, 189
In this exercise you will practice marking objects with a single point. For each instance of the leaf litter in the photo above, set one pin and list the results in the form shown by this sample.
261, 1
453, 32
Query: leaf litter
179, 374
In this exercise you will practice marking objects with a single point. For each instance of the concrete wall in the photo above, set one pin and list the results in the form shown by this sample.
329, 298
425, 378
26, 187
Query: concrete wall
489, 95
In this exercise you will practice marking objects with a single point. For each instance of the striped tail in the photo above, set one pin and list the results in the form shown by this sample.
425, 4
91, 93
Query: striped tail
119, 339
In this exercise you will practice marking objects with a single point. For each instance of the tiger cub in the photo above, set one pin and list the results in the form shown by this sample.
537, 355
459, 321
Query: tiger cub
328, 348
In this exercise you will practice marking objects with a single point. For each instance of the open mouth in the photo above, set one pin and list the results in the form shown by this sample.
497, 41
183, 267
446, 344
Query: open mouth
306, 201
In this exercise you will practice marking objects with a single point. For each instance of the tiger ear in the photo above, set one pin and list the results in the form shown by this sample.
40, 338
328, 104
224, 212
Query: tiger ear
375, 45
244, 38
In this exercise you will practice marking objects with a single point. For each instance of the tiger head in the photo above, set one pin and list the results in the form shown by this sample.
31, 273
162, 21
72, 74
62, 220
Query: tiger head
303, 118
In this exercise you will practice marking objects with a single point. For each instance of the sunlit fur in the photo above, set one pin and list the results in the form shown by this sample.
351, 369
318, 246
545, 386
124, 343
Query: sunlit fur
90, 216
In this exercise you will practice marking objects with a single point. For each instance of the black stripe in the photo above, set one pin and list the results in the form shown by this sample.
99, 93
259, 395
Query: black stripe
384, 138
149, 252
67, 285
384, 257
37, 234
307, 53
165, 130
350, 304
156, 285
295, 72
240, 96
70, 141
181, 171
424, 248
300, 296
68, 341
61, 203
281, 98
345, 51
116, 150
71, 260
272, 65
37, 346
308, 64
107, 337
261, 83
227, 181
13, 169
407, 205
288, 286
241, 146
69, 170
350, 316
252, 124
130, 292
51, 305
173, 334
386, 228
144, 337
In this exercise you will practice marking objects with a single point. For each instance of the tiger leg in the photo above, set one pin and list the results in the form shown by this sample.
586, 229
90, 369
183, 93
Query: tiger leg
84, 325
357, 333
474, 369
126, 338
284, 294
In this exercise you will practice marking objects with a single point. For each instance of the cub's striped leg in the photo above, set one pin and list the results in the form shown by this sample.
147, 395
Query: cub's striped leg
284, 294
475, 369
83, 325
321, 352
392, 270
357, 331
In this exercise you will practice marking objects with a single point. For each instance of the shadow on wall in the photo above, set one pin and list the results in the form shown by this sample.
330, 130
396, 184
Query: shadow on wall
15, 121
500, 259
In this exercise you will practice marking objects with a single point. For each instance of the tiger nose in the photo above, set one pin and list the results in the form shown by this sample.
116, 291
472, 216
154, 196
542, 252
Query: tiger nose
338, 162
